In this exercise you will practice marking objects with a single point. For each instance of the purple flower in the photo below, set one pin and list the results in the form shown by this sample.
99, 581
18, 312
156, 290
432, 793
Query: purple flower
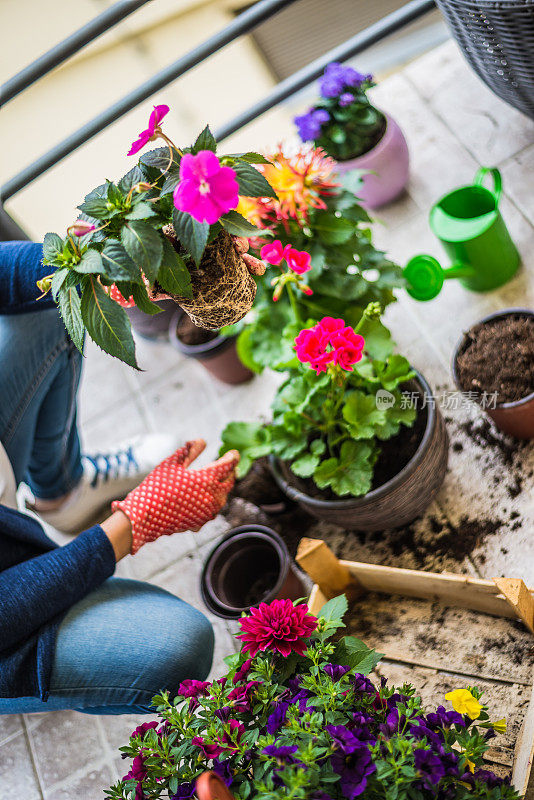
430, 767
243, 671
224, 713
184, 791
489, 778
335, 671
309, 125
363, 685
138, 773
351, 760
142, 729
277, 718
336, 77
223, 770
192, 688
284, 753
444, 719
345, 99
393, 723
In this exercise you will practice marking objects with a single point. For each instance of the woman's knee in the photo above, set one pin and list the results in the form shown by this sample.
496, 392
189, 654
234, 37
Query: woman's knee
187, 649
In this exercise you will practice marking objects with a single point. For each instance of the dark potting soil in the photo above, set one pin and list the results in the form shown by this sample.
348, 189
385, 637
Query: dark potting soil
190, 334
260, 588
499, 357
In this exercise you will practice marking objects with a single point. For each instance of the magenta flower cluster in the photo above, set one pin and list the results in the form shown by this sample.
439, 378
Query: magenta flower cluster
329, 342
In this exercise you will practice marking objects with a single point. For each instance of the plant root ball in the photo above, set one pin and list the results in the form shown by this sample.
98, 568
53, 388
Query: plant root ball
223, 289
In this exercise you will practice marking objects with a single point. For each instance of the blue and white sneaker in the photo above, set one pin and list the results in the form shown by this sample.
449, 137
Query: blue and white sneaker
106, 477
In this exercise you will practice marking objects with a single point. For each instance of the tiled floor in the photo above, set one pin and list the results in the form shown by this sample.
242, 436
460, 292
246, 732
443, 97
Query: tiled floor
453, 124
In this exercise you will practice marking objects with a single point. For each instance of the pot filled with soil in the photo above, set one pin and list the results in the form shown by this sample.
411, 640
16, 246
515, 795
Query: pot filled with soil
222, 286
250, 565
407, 475
388, 162
217, 353
152, 326
494, 362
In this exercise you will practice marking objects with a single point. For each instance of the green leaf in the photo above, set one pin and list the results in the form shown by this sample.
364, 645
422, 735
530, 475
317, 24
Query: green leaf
394, 371
332, 229
378, 341
172, 179
251, 439
173, 275
68, 301
144, 245
352, 652
335, 609
193, 235
398, 413
107, 323
97, 208
141, 210
142, 300
58, 278
118, 266
205, 141
52, 247
160, 157
352, 473
362, 414
91, 262
305, 466
250, 158
245, 350
237, 225
131, 178
251, 182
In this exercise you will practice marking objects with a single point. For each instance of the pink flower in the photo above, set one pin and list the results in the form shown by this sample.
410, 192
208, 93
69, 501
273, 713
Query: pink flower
206, 190
192, 688
298, 260
118, 298
142, 729
310, 344
347, 356
80, 227
237, 729
331, 324
329, 340
150, 133
208, 750
306, 290
243, 671
345, 336
280, 627
274, 252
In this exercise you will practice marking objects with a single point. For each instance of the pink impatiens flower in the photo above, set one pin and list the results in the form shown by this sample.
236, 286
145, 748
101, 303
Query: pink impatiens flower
80, 227
279, 626
150, 133
298, 260
206, 189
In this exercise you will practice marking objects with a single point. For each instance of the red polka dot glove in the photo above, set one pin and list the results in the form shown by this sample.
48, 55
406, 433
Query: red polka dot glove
173, 498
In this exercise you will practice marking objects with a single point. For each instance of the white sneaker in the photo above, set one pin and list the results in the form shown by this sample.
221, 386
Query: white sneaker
107, 477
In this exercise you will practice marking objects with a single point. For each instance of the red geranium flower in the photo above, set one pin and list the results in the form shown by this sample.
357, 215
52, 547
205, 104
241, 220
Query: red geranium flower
280, 626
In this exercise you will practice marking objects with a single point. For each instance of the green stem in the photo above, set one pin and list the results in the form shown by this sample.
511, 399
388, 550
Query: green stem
293, 301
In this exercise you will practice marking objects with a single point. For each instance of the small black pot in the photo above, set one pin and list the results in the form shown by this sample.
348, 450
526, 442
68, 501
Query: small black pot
398, 501
152, 326
250, 565
218, 356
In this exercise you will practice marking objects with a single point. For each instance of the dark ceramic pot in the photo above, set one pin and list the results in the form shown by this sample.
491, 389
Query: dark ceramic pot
515, 418
219, 356
250, 565
152, 326
398, 501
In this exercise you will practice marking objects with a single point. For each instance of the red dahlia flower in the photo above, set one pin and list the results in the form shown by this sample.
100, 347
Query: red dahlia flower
280, 626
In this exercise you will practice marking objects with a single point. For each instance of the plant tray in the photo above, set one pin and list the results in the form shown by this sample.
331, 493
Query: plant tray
441, 632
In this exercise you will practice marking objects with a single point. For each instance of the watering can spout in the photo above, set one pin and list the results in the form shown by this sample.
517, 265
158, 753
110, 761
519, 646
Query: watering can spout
424, 276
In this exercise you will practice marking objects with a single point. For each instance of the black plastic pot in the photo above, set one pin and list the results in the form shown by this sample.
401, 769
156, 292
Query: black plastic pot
153, 326
515, 418
250, 565
398, 501
219, 355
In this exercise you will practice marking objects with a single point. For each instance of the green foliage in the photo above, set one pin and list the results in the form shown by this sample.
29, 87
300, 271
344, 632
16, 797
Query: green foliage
129, 246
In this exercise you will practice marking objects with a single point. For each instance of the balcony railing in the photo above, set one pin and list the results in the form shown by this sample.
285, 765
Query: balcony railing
243, 24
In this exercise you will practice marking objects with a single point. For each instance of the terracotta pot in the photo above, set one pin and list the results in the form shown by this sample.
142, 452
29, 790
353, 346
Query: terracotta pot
250, 565
515, 418
218, 356
389, 161
152, 326
398, 501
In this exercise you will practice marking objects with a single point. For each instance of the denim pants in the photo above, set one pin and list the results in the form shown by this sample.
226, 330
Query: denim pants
127, 640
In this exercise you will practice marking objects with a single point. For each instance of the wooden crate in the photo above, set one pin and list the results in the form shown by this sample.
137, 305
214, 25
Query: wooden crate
500, 597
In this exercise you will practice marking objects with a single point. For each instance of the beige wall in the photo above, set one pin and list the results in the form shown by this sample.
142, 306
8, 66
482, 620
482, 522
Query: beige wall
58, 104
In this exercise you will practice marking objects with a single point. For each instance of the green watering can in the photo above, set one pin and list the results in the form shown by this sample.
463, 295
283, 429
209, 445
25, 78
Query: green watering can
468, 223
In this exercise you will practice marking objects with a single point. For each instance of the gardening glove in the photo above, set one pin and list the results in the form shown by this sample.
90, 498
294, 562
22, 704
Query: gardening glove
173, 498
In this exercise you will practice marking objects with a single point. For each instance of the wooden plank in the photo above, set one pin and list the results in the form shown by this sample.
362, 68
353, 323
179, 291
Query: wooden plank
316, 601
316, 558
457, 590
519, 598
390, 654
523, 769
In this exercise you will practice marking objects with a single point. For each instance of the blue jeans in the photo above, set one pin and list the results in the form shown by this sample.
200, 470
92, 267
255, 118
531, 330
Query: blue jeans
119, 647
39, 376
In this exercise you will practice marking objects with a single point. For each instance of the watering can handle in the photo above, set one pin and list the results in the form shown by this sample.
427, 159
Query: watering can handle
497, 180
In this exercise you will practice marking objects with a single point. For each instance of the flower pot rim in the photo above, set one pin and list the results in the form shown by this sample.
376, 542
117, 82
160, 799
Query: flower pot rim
234, 612
380, 491
505, 312
197, 350
380, 145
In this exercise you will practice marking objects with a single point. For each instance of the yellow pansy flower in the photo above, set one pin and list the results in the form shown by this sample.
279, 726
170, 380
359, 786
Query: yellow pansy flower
464, 703
470, 765
499, 725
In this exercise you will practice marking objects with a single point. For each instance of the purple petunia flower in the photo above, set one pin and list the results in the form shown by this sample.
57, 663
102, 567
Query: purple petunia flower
430, 767
223, 770
142, 729
277, 718
224, 713
335, 671
363, 684
309, 125
489, 778
184, 791
284, 753
444, 719
352, 761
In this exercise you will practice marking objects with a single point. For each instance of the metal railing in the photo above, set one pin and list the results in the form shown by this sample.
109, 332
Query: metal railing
243, 24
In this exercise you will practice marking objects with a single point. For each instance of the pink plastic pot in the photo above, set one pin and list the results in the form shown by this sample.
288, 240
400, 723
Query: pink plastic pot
389, 161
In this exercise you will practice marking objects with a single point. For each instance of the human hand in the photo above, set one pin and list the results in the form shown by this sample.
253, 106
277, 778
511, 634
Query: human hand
173, 498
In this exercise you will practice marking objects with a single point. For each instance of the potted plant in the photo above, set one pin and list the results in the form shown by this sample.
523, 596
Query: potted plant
168, 229
320, 224
251, 564
359, 136
503, 386
354, 439
296, 716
